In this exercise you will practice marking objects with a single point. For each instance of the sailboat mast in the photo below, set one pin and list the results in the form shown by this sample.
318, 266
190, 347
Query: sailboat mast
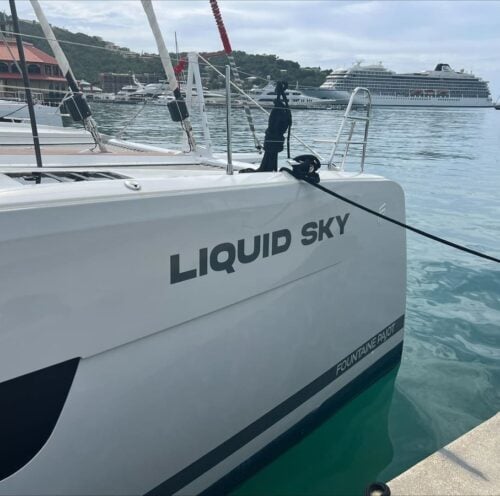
63, 63
229, 52
168, 68
26, 82
176, 48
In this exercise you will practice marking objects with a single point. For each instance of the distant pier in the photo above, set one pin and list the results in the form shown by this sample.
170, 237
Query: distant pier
469, 465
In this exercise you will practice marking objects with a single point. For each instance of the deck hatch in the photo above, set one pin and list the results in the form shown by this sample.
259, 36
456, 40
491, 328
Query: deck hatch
63, 176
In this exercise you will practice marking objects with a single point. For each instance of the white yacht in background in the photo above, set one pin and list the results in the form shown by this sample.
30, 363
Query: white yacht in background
296, 99
131, 93
442, 87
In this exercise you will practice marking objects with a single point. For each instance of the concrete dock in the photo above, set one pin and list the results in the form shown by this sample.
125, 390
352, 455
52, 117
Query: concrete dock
469, 465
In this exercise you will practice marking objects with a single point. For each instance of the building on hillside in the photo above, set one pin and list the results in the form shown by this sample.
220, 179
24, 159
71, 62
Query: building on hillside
112, 82
46, 80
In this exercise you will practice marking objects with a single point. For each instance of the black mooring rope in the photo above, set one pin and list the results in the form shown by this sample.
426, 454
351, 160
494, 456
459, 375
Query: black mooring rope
393, 221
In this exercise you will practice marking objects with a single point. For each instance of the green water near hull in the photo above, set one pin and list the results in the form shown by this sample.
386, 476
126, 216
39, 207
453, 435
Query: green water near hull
448, 162
323, 462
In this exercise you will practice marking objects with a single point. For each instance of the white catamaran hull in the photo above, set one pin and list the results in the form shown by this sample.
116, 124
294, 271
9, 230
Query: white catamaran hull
204, 317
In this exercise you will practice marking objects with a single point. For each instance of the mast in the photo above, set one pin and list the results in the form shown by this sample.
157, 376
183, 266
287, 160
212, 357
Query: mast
178, 110
229, 52
63, 63
26, 82
176, 48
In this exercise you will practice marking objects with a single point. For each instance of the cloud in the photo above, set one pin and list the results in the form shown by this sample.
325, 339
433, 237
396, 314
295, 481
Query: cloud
405, 35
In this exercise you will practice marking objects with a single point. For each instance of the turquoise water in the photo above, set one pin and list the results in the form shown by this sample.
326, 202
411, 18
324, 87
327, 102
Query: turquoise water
448, 162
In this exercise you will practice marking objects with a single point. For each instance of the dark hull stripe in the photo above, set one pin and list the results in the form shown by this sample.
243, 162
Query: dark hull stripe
233, 444
305, 426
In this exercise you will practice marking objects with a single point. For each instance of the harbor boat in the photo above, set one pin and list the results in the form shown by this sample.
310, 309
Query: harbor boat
265, 97
90, 90
165, 327
162, 99
441, 87
130, 93
16, 112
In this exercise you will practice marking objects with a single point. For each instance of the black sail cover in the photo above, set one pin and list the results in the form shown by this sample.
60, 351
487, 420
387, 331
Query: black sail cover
280, 120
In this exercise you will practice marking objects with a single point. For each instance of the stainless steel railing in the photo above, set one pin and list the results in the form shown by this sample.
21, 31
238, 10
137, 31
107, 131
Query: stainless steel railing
353, 120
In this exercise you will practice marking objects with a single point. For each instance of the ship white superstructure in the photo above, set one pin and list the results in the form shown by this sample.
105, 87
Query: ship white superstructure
441, 87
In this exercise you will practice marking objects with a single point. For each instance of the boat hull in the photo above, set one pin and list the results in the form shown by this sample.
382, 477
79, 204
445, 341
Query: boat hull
190, 362
342, 98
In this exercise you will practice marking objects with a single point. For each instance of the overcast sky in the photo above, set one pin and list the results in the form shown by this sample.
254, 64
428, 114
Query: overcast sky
405, 35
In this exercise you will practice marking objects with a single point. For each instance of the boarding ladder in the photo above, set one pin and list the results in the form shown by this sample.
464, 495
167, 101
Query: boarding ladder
352, 119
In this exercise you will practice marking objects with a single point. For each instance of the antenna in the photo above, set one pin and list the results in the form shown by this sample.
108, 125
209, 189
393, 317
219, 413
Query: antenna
176, 48
26, 82
177, 108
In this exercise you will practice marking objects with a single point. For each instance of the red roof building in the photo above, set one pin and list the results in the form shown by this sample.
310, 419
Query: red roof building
46, 80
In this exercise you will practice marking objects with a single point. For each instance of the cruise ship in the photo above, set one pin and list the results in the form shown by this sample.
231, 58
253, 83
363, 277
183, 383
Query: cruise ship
442, 87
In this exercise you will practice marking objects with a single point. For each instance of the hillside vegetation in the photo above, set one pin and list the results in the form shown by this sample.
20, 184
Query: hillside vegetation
88, 62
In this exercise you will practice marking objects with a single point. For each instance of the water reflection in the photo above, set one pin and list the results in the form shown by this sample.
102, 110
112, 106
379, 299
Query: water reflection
349, 450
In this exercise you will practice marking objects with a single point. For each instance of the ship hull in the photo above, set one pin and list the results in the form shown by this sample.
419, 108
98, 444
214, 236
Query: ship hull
342, 98
185, 364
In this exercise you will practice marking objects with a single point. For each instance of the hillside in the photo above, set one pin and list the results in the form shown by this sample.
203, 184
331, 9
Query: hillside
88, 62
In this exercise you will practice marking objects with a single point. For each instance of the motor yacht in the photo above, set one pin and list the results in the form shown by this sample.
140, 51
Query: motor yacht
296, 99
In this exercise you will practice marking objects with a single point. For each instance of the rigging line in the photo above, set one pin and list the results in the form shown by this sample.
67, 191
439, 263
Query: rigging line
63, 41
229, 53
150, 56
127, 125
259, 106
394, 221
37, 90
24, 72
13, 112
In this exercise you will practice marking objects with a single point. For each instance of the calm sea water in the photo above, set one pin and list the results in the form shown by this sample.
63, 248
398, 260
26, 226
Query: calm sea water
448, 162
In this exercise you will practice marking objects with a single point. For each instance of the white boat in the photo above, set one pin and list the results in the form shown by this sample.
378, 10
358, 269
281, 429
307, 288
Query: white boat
165, 326
189, 317
16, 112
131, 93
441, 87
296, 99
162, 99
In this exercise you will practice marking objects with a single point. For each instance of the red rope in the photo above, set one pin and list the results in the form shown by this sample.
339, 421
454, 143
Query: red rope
220, 25
180, 67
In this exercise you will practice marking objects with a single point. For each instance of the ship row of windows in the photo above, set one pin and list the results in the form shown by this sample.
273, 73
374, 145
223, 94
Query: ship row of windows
422, 93
387, 77
394, 80
405, 88
414, 84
